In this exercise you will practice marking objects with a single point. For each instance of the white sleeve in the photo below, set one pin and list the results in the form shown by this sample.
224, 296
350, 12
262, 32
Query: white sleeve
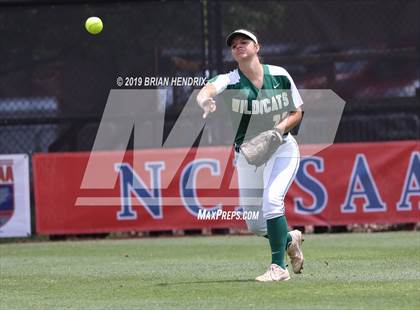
220, 82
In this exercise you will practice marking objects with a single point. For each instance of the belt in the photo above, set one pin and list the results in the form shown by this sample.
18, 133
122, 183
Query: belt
237, 147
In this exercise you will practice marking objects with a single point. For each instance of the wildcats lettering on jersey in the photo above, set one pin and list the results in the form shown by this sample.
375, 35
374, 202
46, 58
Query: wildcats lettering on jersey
263, 106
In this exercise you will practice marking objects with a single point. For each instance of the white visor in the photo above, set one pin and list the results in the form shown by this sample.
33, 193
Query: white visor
242, 32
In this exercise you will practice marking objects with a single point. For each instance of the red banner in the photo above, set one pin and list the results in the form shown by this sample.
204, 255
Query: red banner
168, 189
358, 183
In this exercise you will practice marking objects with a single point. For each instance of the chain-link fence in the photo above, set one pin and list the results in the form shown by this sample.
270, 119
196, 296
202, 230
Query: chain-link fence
55, 78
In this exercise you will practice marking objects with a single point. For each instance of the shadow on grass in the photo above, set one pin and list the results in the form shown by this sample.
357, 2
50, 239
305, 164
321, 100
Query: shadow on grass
206, 282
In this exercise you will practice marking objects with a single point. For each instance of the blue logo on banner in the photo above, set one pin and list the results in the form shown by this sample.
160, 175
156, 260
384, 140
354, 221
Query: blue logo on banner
7, 204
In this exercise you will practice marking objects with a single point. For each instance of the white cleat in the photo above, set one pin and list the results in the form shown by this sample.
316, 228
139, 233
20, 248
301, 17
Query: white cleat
294, 251
274, 273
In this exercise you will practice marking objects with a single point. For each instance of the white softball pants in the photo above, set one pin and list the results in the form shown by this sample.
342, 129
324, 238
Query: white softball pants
264, 189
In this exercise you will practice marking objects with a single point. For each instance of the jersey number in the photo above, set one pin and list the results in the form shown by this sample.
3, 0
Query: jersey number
277, 118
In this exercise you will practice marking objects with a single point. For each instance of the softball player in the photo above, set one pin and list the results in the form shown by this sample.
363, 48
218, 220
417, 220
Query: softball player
273, 178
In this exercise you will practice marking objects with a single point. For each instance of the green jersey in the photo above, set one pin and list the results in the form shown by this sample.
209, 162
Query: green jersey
255, 110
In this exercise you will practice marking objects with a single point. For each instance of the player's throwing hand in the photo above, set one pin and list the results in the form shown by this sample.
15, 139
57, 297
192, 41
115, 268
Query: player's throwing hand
205, 99
209, 106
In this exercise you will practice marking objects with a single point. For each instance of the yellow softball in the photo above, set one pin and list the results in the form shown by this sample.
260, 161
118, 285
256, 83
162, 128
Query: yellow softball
94, 25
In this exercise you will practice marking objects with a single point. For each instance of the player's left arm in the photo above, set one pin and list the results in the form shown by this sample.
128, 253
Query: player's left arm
294, 116
291, 121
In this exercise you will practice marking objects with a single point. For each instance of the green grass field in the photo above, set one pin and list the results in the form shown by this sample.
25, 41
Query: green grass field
342, 271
